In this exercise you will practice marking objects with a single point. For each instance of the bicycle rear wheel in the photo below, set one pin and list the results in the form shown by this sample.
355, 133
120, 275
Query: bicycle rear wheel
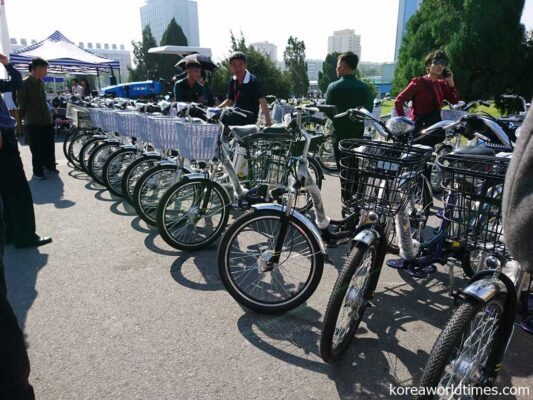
75, 147
248, 245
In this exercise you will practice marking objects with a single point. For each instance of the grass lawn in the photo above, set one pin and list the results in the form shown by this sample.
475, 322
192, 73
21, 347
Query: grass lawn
388, 105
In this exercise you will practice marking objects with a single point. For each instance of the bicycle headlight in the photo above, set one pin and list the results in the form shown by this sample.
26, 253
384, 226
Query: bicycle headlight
399, 126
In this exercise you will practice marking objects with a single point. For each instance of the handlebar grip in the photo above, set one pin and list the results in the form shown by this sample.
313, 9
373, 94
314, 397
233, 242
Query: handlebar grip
484, 103
341, 115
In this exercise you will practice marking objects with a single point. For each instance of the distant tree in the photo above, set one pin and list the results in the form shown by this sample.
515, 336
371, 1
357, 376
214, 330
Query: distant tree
294, 59
489, 61
328, 73
427, 30
173, 36
272, 79
145, 63
486, 61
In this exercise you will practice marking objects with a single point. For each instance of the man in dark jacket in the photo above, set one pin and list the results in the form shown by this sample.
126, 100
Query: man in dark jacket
517, 204
345, 93
31, 99
14, 189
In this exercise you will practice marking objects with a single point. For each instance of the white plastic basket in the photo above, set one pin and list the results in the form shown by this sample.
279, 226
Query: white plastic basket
126, 123
142, 131
163, 131
107, 120
94, 116
197, 141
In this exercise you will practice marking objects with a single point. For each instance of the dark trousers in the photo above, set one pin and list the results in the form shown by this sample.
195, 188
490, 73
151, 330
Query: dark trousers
14, 364
42, 147
15, 191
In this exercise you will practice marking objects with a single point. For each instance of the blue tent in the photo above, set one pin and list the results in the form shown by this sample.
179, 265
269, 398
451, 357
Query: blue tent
63, 56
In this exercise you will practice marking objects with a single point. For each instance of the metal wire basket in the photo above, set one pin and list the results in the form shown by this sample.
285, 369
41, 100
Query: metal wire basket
473, 200
269, 154
379, 176
197, 141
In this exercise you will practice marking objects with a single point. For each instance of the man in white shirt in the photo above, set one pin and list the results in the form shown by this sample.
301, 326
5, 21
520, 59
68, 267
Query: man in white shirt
77, 89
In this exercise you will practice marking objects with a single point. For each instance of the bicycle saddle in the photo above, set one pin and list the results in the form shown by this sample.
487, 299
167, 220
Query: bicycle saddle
276, 128
473, 151
245, 130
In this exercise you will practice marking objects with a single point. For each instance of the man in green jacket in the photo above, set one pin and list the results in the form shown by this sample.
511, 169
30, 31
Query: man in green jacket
345, 93
31, 98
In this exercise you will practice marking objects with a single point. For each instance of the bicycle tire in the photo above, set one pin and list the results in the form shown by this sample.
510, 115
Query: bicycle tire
167, 199
75, 147
69, 136
148, 212
112, 172
455, 330
99, 155
255, 304
328, 350
325, 153
86, 152
134, 171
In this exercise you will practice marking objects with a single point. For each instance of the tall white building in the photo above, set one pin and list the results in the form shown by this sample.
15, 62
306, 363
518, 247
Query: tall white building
406, 9
158, 13
313, 68
344, 40
268, 49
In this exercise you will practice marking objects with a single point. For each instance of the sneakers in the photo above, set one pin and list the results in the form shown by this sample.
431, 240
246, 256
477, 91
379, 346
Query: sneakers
39, 176
53, 170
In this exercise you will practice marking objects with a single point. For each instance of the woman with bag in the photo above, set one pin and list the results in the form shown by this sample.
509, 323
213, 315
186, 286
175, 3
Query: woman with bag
427, 93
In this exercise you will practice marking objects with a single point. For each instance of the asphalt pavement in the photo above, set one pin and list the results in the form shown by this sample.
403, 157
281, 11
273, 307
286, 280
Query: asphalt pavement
111, 312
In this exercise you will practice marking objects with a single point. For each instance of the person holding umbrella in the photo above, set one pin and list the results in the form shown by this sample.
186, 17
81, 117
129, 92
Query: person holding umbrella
188, 89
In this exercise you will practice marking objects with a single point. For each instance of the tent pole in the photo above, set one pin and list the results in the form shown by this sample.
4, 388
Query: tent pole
98, 77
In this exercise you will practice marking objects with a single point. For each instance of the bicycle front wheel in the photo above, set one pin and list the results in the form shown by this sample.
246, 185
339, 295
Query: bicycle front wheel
249, 244
193, 213
326, 156
348, 301
462, 351
114, 169
134, 171
150, 188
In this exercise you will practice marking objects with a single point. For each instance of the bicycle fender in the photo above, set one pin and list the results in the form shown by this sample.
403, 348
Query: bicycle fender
190, 176
299, 217
366, 236
484, 289
166, 162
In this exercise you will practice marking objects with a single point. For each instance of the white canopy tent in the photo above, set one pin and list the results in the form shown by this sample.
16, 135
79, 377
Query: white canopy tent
63, 57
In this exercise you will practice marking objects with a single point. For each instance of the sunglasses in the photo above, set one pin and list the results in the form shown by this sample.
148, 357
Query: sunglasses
440, 61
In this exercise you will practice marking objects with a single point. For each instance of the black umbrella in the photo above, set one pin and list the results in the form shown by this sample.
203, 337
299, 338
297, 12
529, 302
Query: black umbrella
205, 61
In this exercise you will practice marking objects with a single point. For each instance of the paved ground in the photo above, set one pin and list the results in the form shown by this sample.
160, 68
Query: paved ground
111, 312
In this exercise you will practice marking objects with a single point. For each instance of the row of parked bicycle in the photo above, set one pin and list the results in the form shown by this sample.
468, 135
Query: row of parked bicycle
185, 171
